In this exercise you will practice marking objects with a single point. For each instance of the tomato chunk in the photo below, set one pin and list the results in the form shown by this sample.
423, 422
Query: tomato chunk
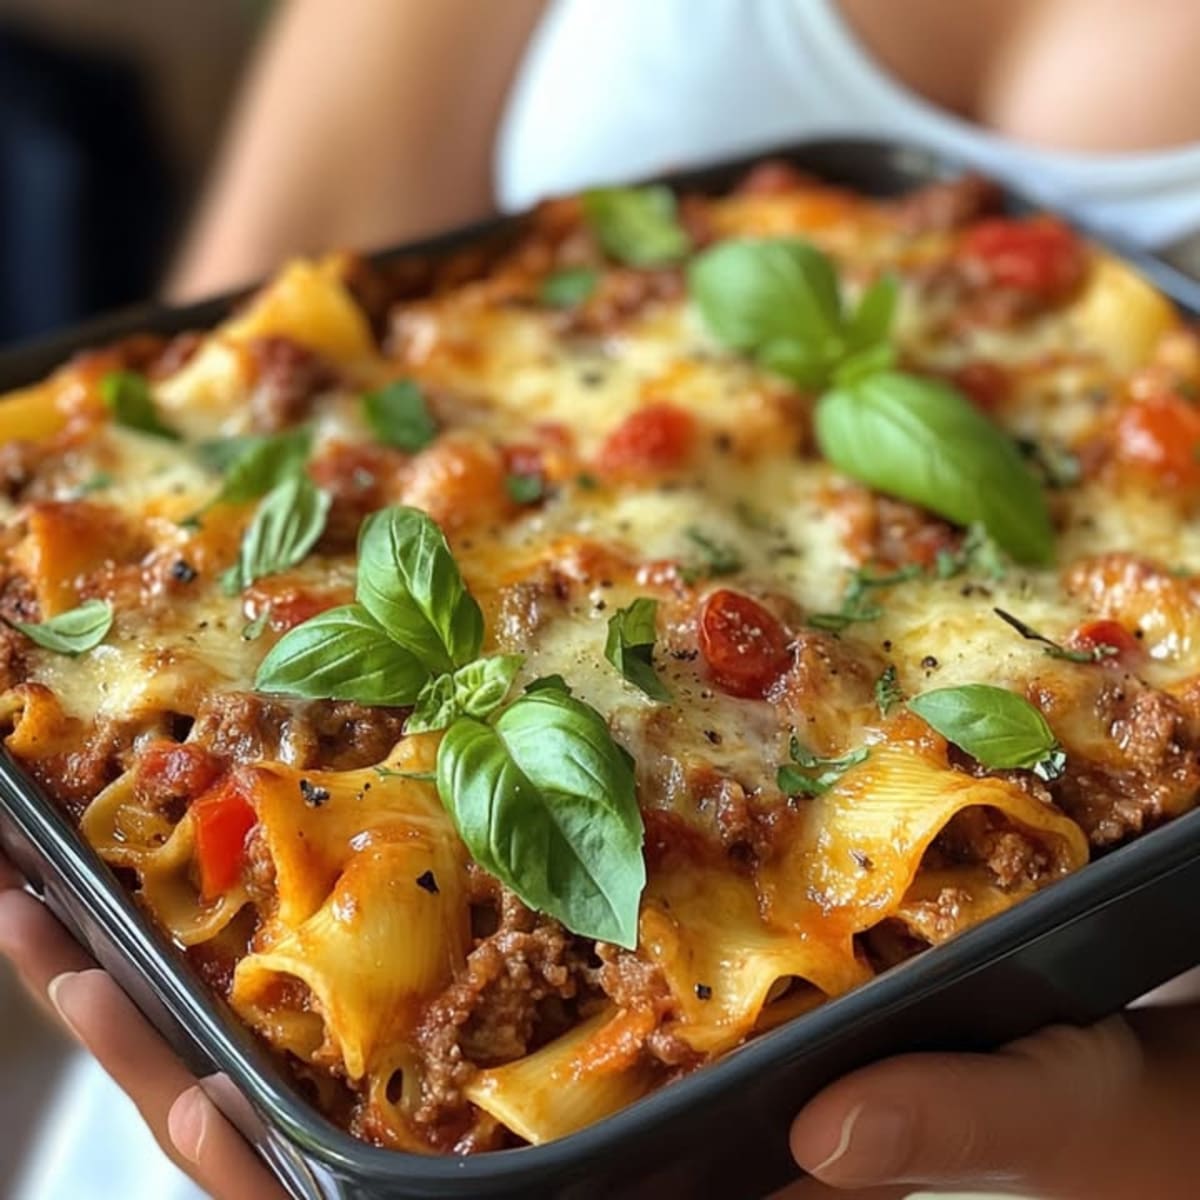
1160, 434
655, 438
984, 383
1038, 255
1105, 636
745, 646
168, 771
223, 820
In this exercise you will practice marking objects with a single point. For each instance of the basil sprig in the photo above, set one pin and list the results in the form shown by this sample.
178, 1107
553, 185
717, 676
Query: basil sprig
413, 619
399, 417
285, 528
637, 226
778, 299
908, 437
541, 794
630, 646
254, 465
997, 727
126, 394
72, 632
342, 654
476, 690
544, 799
409, 582
809, 774
923, 442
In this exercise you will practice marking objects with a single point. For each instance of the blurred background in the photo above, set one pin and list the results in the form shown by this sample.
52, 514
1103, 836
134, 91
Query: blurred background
109, 113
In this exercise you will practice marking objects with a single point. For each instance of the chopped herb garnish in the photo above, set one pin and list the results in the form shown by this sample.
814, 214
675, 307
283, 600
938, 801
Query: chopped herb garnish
127, 395
888, 692
719, 559
978, 552
630, 646
569, 287
809, 774
96, 482
1097, 653
252, 630
392, 773
855, 607
399, 417
525, 489
1056, 465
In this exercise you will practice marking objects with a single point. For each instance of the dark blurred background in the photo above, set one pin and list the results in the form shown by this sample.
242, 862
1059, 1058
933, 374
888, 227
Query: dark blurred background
109, 114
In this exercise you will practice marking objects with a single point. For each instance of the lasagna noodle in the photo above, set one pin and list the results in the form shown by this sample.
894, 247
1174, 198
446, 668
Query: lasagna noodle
862, 842
126, 833
389, 936
587, 1074
702, 927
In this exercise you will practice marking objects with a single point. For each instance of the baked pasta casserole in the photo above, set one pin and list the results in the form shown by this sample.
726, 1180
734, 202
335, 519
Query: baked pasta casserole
514, 679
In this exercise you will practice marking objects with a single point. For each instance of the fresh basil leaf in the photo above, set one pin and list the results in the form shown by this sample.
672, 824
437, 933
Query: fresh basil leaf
921, 441
888, 692
476, 690
995, 726
799, 779
254, 629
630, 646
779, 298
398, 416
871, 324
126, 394
524, 489
544, 800
342, 654
262, 464
569, 287
71, 632
409, 582
285, 528
637, 226
1052, 648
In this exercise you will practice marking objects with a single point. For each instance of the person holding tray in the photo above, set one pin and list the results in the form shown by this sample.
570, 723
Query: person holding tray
367, 123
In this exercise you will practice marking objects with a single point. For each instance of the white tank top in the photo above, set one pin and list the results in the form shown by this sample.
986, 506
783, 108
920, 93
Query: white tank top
613, 90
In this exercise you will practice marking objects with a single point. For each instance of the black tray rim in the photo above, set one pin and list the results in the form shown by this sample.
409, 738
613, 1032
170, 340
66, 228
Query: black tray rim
233, 1049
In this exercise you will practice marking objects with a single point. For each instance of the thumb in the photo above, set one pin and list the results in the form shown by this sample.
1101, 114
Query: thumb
1004, 1118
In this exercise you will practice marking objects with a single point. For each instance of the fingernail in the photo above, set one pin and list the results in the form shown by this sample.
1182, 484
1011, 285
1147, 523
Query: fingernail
187, 1123
53, 990
871, 1146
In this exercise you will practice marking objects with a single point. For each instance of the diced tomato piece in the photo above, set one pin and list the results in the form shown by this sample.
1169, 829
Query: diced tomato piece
745, 646
984, 383
169, 771
1093, 636
1160, 434
655, 438
1038, 255
223, 820
289, 606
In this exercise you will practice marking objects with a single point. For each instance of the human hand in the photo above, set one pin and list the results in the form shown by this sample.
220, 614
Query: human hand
186, 1124
1105, 1113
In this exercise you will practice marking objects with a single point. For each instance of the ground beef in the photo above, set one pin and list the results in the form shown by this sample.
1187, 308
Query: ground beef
358, 479
889, 533
494, 1011
621, 294
336, 734
1152, 769
945, 205
13, 663
289, 377
76, 777
982, 835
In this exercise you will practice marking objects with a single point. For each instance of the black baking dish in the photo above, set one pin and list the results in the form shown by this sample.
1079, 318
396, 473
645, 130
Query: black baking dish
1075, 952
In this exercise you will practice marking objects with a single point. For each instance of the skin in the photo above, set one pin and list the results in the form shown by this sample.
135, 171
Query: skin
1067, 1114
